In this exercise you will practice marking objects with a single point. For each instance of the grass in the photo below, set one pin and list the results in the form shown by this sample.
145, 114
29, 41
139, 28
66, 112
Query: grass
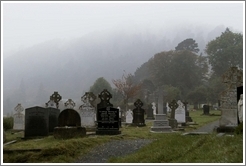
167, 148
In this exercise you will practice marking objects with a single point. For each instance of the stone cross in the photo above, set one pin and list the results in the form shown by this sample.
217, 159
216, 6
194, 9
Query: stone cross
70, 103
56, 98
105, 96
173, 105
19, 108
88, 97
138, 103
160, 103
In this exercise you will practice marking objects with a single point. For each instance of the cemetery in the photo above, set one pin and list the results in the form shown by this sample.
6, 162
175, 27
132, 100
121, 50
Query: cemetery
49, 126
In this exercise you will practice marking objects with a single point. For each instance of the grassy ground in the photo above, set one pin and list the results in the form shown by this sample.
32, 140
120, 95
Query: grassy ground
167, 148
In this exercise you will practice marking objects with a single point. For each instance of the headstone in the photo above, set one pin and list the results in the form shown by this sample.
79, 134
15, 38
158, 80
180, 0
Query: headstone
168, 108
206, 109
138, 114
120, 113
161, 123
150, 115
180, 113
19, 118
154, 108
36, 122
87, 111
233, 78
172, 121
107, 116
187, 114
69, 117
53, 118
240, 109
129, 116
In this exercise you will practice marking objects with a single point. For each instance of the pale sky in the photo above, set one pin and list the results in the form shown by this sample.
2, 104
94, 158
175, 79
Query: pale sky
30, 23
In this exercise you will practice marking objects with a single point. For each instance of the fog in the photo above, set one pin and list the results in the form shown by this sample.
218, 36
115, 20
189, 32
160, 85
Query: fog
66, 46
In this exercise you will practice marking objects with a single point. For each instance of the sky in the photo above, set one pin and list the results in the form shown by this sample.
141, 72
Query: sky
25, 24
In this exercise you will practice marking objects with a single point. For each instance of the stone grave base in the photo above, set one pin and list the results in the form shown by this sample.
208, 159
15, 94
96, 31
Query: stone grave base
150, 118
69, 132
108, 132
161, 129
173, 123
138, 124
226, 129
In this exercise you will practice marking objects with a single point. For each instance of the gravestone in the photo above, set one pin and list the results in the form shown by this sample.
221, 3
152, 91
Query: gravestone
168, 108
69, 123
154, 108
161, 123
233, 78
87, 111
36, 122
69, 117
240, 109
138, 114
107, 116
180, 113
150, 115
53, 118
187, 114
19, 118
129, 116
120, 113
172, 121
206, 109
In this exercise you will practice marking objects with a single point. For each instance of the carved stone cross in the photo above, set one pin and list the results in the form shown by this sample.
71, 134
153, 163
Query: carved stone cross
173, 105
70, 103
138, 103
56, 98
19, 108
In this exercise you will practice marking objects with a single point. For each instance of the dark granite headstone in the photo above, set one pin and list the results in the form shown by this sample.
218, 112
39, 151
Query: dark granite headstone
69, 117
107, 116
206, 109
108, 121
53, 118
36, 122
138, 114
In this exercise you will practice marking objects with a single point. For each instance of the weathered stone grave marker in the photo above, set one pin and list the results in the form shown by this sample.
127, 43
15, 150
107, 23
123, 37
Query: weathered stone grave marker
150, 115
107, 116
187, 114
138, 114
129, 116
161, 123
19, 118
180, 113
87, 110
233, 78
172, 121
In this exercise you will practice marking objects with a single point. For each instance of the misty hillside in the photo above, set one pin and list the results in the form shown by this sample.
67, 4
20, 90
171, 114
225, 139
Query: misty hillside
71, 67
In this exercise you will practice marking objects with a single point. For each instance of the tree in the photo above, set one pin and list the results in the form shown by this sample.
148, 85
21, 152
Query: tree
99, 85
181, 69
225, 51
188, 44
126, 87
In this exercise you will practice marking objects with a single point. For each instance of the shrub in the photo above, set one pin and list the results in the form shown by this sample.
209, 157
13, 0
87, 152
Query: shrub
8, 123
